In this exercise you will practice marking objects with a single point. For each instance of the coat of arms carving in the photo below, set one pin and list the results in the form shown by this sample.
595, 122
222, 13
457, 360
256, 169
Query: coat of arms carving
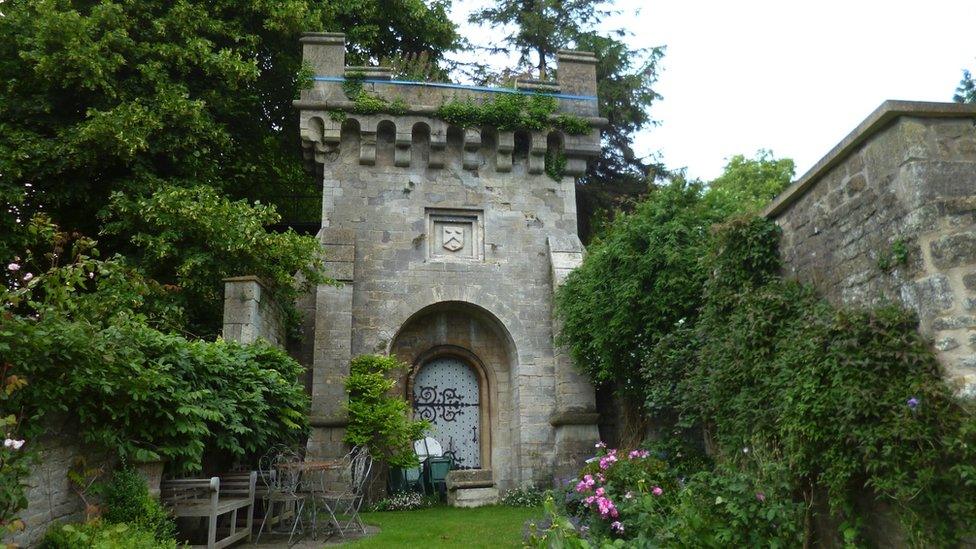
453, 238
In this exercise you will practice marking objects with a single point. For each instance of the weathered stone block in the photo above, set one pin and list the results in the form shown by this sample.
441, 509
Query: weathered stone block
954, 250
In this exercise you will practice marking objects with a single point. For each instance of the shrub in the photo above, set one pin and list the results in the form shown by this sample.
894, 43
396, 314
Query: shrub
126, 500
524, 496
102, 535
377, 419
404, 501
80, 331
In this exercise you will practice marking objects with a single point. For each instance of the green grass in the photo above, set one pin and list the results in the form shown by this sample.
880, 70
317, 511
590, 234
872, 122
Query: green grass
448, 527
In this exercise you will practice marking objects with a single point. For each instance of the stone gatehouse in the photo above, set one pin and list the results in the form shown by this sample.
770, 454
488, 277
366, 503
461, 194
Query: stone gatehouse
448, 243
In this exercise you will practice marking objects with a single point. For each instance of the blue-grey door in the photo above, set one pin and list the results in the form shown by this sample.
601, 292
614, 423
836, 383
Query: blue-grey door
446, 393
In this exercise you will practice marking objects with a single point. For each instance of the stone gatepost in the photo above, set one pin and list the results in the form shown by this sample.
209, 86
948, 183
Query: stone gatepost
250, 312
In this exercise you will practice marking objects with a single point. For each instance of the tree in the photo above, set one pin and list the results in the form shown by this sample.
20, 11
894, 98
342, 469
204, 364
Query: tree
966, 91
541, 27
747, 184
138, 97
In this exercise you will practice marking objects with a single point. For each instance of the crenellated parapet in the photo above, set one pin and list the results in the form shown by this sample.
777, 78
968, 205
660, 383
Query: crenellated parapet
404, 126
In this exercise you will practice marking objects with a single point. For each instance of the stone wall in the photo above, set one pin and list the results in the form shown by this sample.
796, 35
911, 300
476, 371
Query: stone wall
889, 215
396, 188
51, 496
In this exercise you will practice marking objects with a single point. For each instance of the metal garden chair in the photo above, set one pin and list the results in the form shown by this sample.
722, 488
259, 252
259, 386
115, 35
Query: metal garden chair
348, 492
282, 476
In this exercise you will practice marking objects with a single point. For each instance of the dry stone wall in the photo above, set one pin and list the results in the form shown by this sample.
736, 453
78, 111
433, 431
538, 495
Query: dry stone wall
890, 216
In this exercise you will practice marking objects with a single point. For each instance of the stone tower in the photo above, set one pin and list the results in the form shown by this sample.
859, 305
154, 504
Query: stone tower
449, 243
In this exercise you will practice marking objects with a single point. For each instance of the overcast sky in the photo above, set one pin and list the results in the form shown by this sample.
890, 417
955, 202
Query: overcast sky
793, 77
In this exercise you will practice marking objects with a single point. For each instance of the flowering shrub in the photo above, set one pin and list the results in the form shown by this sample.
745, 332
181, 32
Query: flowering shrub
632, 498
14, 457
524, 496
404, 501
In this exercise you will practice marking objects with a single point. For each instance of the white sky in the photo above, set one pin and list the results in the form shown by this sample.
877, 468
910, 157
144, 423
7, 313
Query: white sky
793, 77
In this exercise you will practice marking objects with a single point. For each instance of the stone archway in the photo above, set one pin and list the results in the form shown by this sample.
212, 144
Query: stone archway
474, 354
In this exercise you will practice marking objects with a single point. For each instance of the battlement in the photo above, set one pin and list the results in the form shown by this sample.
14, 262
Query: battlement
405, 118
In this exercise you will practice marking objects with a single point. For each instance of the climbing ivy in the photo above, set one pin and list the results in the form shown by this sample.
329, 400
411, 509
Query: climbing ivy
511, 112
555, 164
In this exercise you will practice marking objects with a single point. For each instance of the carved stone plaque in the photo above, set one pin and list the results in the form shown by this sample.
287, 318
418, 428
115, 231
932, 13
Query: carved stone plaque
455, 235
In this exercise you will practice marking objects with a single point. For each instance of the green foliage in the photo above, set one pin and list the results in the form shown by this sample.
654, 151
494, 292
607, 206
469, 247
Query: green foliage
966, 91
555, 164
747, 185
352, 84
126, 500
842, 400
377, 419
572, 124
102, 535
14, 458
80, 331
897, 255
643, 277
511, 111
193, 238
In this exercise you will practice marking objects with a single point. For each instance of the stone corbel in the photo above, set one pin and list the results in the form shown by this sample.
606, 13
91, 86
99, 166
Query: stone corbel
472, 145
503, 156
438, 143
537, 153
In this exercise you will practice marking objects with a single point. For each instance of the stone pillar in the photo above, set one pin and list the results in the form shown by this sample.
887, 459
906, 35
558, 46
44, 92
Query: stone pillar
325, 52
576, 75
250, 312
332, 346
575, 418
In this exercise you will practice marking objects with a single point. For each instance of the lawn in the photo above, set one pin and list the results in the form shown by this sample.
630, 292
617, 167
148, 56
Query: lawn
441, 526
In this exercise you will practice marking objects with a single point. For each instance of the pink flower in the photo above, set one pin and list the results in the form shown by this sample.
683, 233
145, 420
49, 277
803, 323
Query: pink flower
657, 491
638, 454
608, 460
617, 527
13, 267
28, 277
600, 477
12, 444
760, 496
600, 444
600, 492
629, 495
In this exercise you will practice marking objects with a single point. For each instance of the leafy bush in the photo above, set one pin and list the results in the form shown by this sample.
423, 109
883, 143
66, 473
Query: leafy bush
524, 496
377, 419
127, 501
14, 458
80, 331
102, 535
404, 501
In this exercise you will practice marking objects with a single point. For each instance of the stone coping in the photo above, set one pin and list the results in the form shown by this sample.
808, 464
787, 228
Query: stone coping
328, 422
574, 418
878, 120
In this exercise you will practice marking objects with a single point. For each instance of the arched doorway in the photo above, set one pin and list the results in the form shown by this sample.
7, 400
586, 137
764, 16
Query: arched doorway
447, 393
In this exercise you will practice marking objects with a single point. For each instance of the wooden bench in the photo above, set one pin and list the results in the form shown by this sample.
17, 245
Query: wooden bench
211, 498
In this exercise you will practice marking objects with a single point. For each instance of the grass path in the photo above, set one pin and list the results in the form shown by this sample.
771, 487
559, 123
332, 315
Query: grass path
448, 527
